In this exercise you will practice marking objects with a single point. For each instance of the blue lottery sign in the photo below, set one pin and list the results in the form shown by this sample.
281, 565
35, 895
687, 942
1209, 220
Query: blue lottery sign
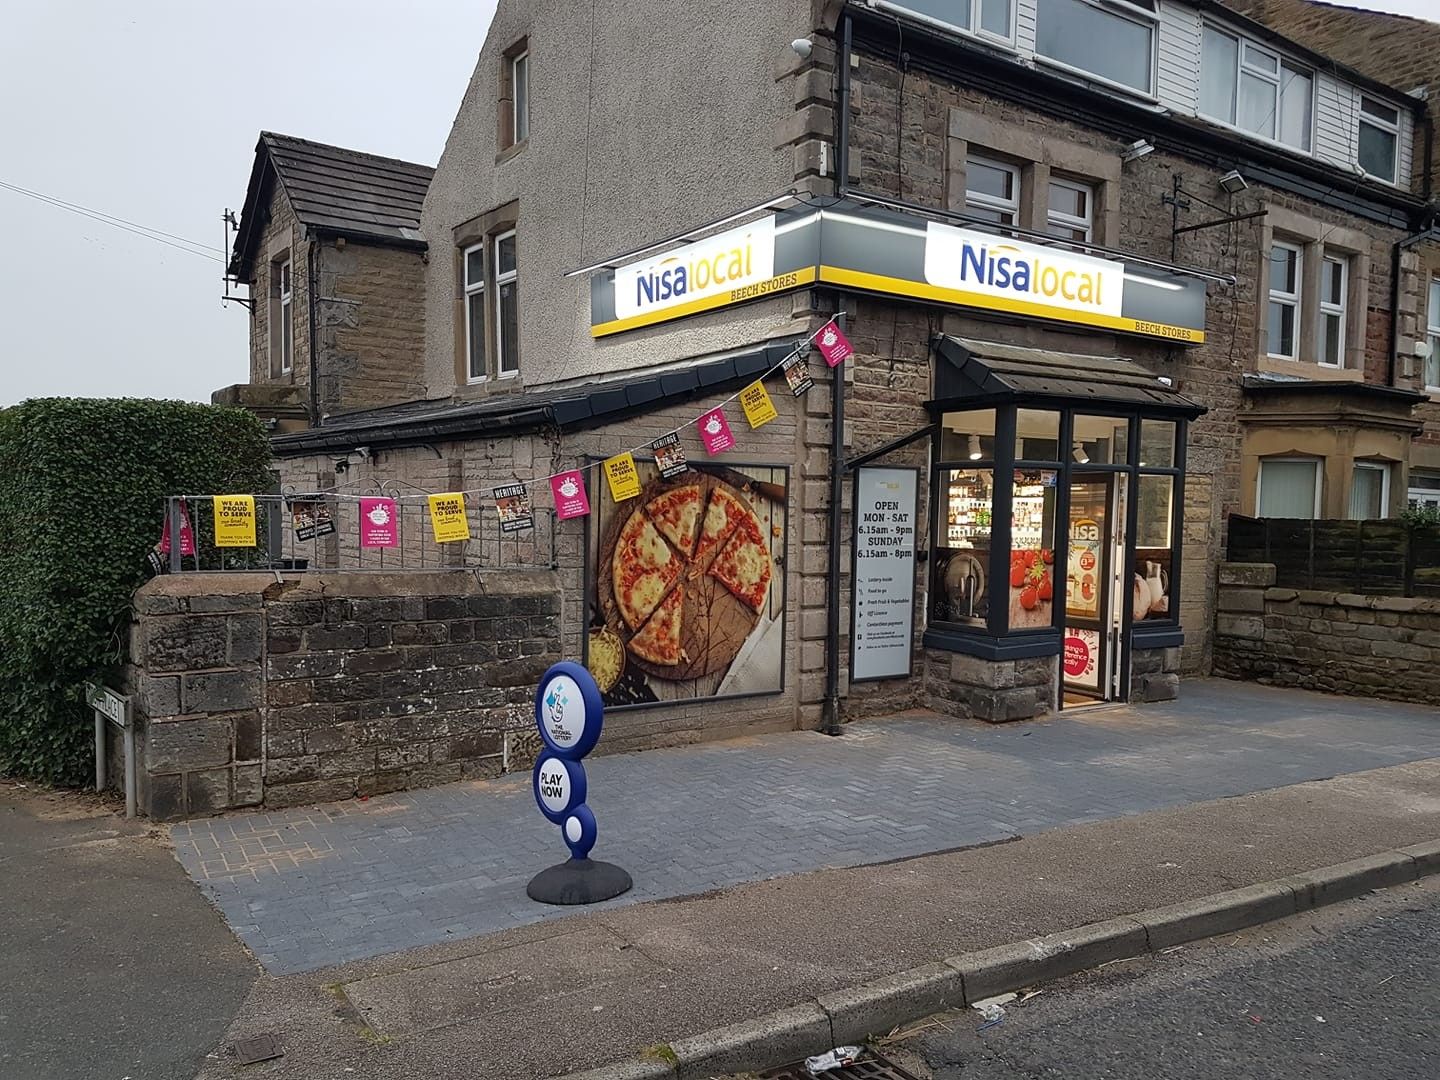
568, 710
559, 786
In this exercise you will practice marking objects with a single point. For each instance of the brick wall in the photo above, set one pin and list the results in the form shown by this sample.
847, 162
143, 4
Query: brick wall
1342, 643
251, 692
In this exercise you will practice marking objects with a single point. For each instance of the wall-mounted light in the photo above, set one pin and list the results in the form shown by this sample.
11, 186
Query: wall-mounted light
1233, 182
1079, 453
975, 452
1136, 150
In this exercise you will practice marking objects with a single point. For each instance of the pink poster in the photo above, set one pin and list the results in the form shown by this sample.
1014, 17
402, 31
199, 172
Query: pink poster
715, 432
569, 492
187, 535
378, 525
834, 345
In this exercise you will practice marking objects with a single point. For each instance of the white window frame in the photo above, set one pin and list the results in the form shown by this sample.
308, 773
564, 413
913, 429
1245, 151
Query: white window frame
1432, 335
469, 289
1291, 300
1383, 468
1148, 17
285, 322
519, 118
510, 277
1319, 464
1393, 129
1425, 494
1070, 221
986, 201
1276, 77
1339, 311
973, 30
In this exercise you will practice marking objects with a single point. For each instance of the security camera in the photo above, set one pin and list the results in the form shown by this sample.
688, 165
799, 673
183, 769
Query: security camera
802, 47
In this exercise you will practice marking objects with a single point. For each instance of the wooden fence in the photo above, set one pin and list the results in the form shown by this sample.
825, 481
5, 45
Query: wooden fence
1378, 558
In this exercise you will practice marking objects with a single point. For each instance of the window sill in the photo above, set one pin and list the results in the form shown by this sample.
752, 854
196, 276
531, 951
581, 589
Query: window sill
1306, 369
1163, 636
993, 648
511, 150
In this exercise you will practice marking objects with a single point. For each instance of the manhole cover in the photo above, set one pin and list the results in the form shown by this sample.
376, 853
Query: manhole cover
875, 1066
261, 1048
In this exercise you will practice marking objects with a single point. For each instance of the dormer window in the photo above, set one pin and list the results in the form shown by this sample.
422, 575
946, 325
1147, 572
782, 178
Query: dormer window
1254, 89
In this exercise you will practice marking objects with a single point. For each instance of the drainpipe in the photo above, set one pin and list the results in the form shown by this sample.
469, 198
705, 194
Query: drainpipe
830, 713
1427, 232
312, 272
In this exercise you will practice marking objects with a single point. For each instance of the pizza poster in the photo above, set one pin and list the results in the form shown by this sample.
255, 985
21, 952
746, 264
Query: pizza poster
759, 409
670, 455
620, 475
448, 519
568, 490
834, 346
687, 586
312, 519
715, 432
797, 375
234, 521
379, 523
512, 503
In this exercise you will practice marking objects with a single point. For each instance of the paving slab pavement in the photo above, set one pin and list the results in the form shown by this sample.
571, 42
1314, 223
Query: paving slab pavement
314, 887
584, 990
113, 965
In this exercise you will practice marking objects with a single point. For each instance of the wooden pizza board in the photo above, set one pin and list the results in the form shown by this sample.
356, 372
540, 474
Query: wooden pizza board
714, 623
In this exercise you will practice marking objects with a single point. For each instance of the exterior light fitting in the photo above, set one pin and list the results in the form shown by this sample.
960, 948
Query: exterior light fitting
1233, 182
1079, 453
1136, 150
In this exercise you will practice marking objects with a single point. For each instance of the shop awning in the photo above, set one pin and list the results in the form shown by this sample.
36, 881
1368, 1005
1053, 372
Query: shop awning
988, 372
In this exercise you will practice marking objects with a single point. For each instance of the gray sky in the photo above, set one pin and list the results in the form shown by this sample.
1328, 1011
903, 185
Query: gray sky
148, 110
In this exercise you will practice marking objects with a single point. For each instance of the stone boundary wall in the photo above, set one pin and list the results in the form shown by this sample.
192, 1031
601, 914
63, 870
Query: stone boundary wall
253, 692
1341, 643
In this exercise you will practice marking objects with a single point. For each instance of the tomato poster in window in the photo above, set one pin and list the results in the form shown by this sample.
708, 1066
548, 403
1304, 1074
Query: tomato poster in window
1082, 600
1032, 556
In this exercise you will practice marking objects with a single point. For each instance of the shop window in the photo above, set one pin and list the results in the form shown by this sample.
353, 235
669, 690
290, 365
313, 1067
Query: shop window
961, 591
991, 18
1250, 87
1037, 435
1157, 444
1111, 39
1154, 548
1334, 279
968, 436
992, 190
1032, 550
1379, 139
1432, 337
1070, 214
1289, 488
1101, 440
1369, 490
1286, 267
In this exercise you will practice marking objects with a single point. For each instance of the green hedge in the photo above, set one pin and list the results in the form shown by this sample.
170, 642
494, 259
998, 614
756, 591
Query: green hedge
82, 488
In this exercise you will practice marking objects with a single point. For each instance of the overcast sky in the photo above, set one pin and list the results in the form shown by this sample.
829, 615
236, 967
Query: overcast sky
148, 110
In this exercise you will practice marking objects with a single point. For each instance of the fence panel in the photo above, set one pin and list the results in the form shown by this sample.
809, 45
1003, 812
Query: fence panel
1376, 557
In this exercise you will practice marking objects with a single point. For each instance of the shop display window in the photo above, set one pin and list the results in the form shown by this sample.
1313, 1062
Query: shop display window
1101, 440
968, 436
1154, 550
1032, 549
1037, 435
961, 592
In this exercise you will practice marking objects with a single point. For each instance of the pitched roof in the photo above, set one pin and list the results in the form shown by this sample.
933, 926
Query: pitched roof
334, 191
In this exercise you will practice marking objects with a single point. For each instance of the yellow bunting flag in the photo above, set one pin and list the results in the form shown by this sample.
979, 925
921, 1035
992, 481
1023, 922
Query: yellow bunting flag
447, 517
759, 409
624, 480
234, 520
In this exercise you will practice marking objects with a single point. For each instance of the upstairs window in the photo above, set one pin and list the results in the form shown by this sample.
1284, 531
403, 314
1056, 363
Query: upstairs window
992, 190
475, 352
991, 18
1252, 88
507, 317
282, 319
1070, 214
1110, 39
514, 109
1432, 337
1334, 280
1286, 264
1379, 139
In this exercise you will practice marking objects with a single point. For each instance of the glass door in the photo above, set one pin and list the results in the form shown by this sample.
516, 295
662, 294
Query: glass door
1094, 600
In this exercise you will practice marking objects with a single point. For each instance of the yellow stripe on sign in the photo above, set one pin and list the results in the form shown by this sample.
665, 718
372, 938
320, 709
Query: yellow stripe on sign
745, 293
921, 290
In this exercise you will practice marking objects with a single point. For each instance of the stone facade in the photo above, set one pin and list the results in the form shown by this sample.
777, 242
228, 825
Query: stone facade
251, 692
1341, 643
969, 688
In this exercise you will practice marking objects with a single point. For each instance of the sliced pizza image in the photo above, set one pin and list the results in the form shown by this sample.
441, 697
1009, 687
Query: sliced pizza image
724, 514
676, 514
744, 567
658, 641
643, 567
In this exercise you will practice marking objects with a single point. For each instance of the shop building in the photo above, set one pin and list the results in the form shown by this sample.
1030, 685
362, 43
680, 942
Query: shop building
1099, 301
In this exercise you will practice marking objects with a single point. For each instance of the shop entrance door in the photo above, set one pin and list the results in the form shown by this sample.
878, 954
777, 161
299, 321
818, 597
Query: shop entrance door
1094, 601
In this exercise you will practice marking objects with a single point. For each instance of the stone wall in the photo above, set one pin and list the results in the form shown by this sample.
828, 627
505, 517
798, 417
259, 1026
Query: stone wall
1341, 643
969, 688
1154, 674
253, 692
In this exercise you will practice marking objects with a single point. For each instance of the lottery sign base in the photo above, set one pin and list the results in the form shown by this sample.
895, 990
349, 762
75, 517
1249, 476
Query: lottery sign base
579, 881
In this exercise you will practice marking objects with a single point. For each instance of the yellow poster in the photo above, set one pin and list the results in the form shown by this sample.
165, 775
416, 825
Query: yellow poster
624, 480
759, 409
447, 517
234, 520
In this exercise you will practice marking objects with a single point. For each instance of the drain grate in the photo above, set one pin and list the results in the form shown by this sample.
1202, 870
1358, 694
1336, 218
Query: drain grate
261, 1048
875, 1066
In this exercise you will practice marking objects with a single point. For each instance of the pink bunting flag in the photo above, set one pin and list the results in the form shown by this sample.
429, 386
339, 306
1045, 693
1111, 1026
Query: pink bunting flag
834, 345
379, 524
715, 432
571, 499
